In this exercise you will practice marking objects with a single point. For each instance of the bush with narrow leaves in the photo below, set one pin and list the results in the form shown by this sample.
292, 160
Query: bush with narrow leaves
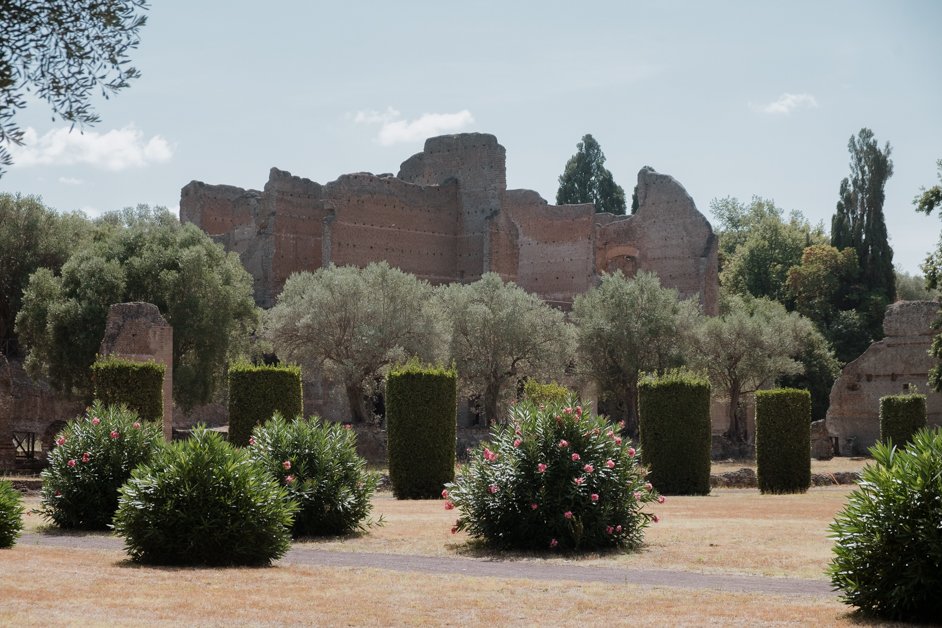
318, 465
203, 501
553, 478
11, 514
888, 539
93, 457
542, 393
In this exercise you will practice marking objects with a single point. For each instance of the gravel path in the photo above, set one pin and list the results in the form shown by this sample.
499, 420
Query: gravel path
491, 568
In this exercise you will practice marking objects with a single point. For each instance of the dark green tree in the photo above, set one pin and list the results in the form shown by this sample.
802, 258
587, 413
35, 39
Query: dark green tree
62, 51
926, 202
32, 236
586, 180
139, 255
859, 223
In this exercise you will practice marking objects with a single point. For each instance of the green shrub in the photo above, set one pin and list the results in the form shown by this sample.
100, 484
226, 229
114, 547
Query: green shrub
783, 440
556, 478
888, 538
553, 393
421, 428
138, 385
256, 393
94, 456
204, 502
675, 431
11, 514
901, 416
321, 471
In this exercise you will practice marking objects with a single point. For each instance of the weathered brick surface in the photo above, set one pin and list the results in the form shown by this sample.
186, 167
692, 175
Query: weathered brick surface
448, 216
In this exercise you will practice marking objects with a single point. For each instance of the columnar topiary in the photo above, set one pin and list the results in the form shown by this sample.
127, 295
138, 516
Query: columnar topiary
256, 393
204, 502
138, 385
783, 440
675, 431
540, 393
901, 416
319, 467
554, 478
93, 457
888, 540
421, 428
11, 514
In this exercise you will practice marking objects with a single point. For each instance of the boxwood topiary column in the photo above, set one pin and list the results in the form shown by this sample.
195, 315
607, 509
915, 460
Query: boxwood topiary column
421, 427
675, 431
138, 385
256, 393
901, 416
783, 440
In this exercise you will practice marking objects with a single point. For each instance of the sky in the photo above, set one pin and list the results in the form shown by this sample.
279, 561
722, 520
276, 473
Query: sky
732, 98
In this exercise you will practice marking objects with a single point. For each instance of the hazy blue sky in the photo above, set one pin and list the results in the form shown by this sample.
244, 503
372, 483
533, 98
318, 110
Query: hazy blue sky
731, 98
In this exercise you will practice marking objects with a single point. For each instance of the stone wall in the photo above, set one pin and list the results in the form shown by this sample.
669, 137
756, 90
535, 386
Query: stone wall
448, 216
137, 331
887, 367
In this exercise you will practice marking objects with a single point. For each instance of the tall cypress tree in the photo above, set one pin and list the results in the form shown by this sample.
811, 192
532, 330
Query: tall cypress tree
587, 180
859, 223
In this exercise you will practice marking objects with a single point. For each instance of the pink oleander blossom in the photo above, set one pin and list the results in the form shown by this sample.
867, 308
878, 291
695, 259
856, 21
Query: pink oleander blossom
568, 514
655, 518
578, 481
96, 421
631, 452
251, 440
60, 441
661, 499
637, 496
594, 497
610, 463
286, 465
71, 462
534, 506
489, 455
86, 456
444, 493
648, 486
137, 426
567, 410
578, 410
454, 529
449, 505
289, 479
618, 529
553, 543
541, 468
493, 488
588, 468
114, 434
517, 442
563, 444
618, 440
576, 457
609, 529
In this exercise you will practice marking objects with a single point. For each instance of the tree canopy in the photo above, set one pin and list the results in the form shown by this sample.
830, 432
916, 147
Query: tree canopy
499, 334
586, 180
352, 323
625, 326
926, 202
140, 254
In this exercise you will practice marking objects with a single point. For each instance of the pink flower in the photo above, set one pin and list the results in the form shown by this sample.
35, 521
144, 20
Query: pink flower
137, 426
553, 543
661, 499
655, 518
579, 481
541, 468
588, 468
609, 529
517, 442
114, 434
567, 410
621, 424
58, 493
618, 440
631, 452
286, 465
618, 529
576, 457
610, 434
251, 440
444, 493
563, 444
96, 421
454, 529
347, 426
610, 463
289, 479
489, 455
449, 505
578, 410
594, 497
568, 514
534, 506
85, 457
60, 441
493, 488
648, 486
71, 462
637, 495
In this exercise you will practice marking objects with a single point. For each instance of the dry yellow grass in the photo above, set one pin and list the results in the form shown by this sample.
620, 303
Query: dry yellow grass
817, 466
49, 586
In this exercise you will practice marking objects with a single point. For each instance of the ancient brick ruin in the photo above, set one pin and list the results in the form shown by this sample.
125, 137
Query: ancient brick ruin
137, 331
887, 367
448, 216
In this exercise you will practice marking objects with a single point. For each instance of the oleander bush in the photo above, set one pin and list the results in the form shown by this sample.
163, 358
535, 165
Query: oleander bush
901, 416
553, 478
319, 467
888, 538
11, 514
93, 457
203, 501
421, 429
256, 393
138, 385
675, 431
540, 393
783, 440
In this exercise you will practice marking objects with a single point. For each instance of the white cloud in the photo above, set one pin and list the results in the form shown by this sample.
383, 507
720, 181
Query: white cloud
70, 181
117, 149
395, 129
787, 103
